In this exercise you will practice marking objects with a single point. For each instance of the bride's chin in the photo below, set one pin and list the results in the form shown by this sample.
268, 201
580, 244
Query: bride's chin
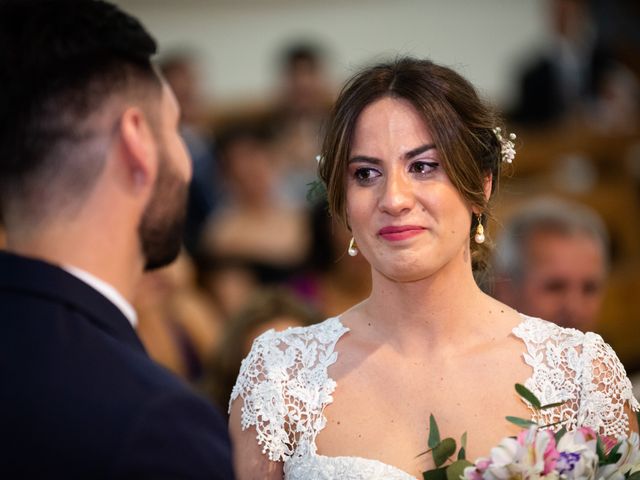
405, 273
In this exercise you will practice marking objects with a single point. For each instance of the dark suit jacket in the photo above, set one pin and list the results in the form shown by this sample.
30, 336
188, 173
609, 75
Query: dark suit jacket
80, 398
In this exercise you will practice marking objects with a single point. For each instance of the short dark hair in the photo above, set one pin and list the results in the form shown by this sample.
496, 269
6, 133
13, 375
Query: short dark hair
301, 52
460, 122
60, 62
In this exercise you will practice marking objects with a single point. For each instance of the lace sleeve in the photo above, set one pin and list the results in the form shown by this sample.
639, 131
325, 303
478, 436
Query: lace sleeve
261, 385
605, 389
285, 387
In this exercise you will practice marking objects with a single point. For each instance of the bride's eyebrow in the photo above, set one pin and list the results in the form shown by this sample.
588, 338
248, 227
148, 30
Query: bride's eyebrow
417, 151
364, 159
410, 154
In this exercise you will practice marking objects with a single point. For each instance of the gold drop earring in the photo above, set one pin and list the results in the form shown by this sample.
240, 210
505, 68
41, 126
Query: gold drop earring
353, 248
479, 237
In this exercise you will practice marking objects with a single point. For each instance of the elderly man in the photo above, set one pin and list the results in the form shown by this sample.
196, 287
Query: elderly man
551, 262
93, 181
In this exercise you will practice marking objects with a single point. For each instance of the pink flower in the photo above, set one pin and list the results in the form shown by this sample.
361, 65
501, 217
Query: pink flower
609, 442
551, 454
588, 434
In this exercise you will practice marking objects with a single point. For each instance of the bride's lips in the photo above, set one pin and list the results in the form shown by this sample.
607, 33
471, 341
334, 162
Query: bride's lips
401, 232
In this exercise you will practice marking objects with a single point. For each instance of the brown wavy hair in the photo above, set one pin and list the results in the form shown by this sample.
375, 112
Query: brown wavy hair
460, 123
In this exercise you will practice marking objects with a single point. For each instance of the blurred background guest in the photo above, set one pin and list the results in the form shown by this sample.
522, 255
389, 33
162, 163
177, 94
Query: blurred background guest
551, 262
332, 281
302, 104
576, 75
177, 321
181, 71
254, 225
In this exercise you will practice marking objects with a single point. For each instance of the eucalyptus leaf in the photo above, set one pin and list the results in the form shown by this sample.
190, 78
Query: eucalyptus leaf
316, 191
528, 395
462, 454
520, 422
560, 433
434, 433
551, 405
435, 474
456, 469
443, 450
424, 453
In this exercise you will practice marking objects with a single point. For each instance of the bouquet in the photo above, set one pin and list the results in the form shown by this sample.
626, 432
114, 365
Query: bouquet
538, 453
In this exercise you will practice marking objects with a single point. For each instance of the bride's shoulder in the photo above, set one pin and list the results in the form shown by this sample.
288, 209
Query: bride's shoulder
319, 334
280, 357
536, 331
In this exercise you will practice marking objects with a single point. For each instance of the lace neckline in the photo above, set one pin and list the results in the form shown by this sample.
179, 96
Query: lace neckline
286, 388
517, 331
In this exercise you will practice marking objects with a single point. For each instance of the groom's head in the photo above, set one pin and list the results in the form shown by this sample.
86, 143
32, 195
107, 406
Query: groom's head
86, 117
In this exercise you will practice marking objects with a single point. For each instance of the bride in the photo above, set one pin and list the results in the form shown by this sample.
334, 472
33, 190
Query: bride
411, 160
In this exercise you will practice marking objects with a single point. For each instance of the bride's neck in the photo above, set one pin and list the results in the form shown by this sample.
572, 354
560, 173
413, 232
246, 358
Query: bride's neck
434, 312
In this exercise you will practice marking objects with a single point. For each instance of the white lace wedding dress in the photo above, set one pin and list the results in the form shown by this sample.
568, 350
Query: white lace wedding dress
285, 388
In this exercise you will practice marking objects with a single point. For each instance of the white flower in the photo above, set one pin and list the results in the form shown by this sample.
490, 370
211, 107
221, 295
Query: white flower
578, 457
629, 461
527, 457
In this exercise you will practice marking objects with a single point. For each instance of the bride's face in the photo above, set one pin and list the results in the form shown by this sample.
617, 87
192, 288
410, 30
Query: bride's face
408, 219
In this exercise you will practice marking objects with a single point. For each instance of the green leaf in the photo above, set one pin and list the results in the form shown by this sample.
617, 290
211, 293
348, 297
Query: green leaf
602, 458
528, 395
552, 405
560, 433
614, 453
435, 474
424, 453
456, 469
613, 458
634, 476
434, 433
443, 450
462, 454
549, 425
316, 191
521, 422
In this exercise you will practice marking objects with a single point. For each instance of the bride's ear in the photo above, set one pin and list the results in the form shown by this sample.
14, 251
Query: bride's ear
488, 186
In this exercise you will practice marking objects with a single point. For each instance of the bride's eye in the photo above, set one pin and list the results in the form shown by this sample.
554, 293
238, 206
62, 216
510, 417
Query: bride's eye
423, 168
365, 175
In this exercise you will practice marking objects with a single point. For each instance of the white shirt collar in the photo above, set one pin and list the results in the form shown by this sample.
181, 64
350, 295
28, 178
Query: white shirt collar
107, 290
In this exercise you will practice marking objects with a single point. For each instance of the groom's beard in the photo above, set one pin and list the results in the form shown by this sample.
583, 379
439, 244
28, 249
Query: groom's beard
162, 223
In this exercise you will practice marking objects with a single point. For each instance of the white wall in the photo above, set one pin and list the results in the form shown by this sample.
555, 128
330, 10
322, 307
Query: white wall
239, 40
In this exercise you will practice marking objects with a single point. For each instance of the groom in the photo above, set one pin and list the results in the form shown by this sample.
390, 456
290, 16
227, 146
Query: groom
93, 179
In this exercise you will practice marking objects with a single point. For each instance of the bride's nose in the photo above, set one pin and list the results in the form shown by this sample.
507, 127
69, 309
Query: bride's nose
397, 196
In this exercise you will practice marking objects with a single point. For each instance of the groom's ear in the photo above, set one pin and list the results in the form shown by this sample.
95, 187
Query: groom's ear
138, 150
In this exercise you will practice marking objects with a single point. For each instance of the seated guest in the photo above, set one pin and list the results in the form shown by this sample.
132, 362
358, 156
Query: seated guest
181, 71
93, 183
178, 322
551, 262
254, 226
302, 106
